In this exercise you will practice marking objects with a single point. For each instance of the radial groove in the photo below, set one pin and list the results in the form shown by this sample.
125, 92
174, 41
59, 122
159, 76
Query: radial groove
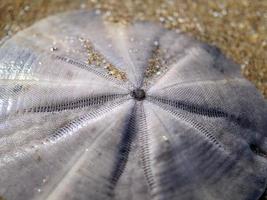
72, 126
144, 147
75, 104
92, 69
197, 126
124, 149
204, 111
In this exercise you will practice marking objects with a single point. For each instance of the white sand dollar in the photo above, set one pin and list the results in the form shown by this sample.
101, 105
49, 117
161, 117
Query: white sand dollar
95, 110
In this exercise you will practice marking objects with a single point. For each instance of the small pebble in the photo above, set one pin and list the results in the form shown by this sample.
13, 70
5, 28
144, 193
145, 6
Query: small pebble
53, 49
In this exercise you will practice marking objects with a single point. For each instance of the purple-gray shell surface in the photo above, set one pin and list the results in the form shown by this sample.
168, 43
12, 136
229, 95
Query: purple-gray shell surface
92, 110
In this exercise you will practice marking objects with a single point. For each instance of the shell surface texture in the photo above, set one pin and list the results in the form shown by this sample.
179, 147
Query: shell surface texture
94, 110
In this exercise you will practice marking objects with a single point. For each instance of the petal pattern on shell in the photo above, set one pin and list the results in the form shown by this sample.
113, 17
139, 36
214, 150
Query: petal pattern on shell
182, 151
94, 110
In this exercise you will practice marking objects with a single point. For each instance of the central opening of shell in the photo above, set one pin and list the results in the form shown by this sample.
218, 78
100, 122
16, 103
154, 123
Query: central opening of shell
138, 94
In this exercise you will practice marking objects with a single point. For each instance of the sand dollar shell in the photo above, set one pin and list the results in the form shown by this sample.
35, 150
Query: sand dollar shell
95, 110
